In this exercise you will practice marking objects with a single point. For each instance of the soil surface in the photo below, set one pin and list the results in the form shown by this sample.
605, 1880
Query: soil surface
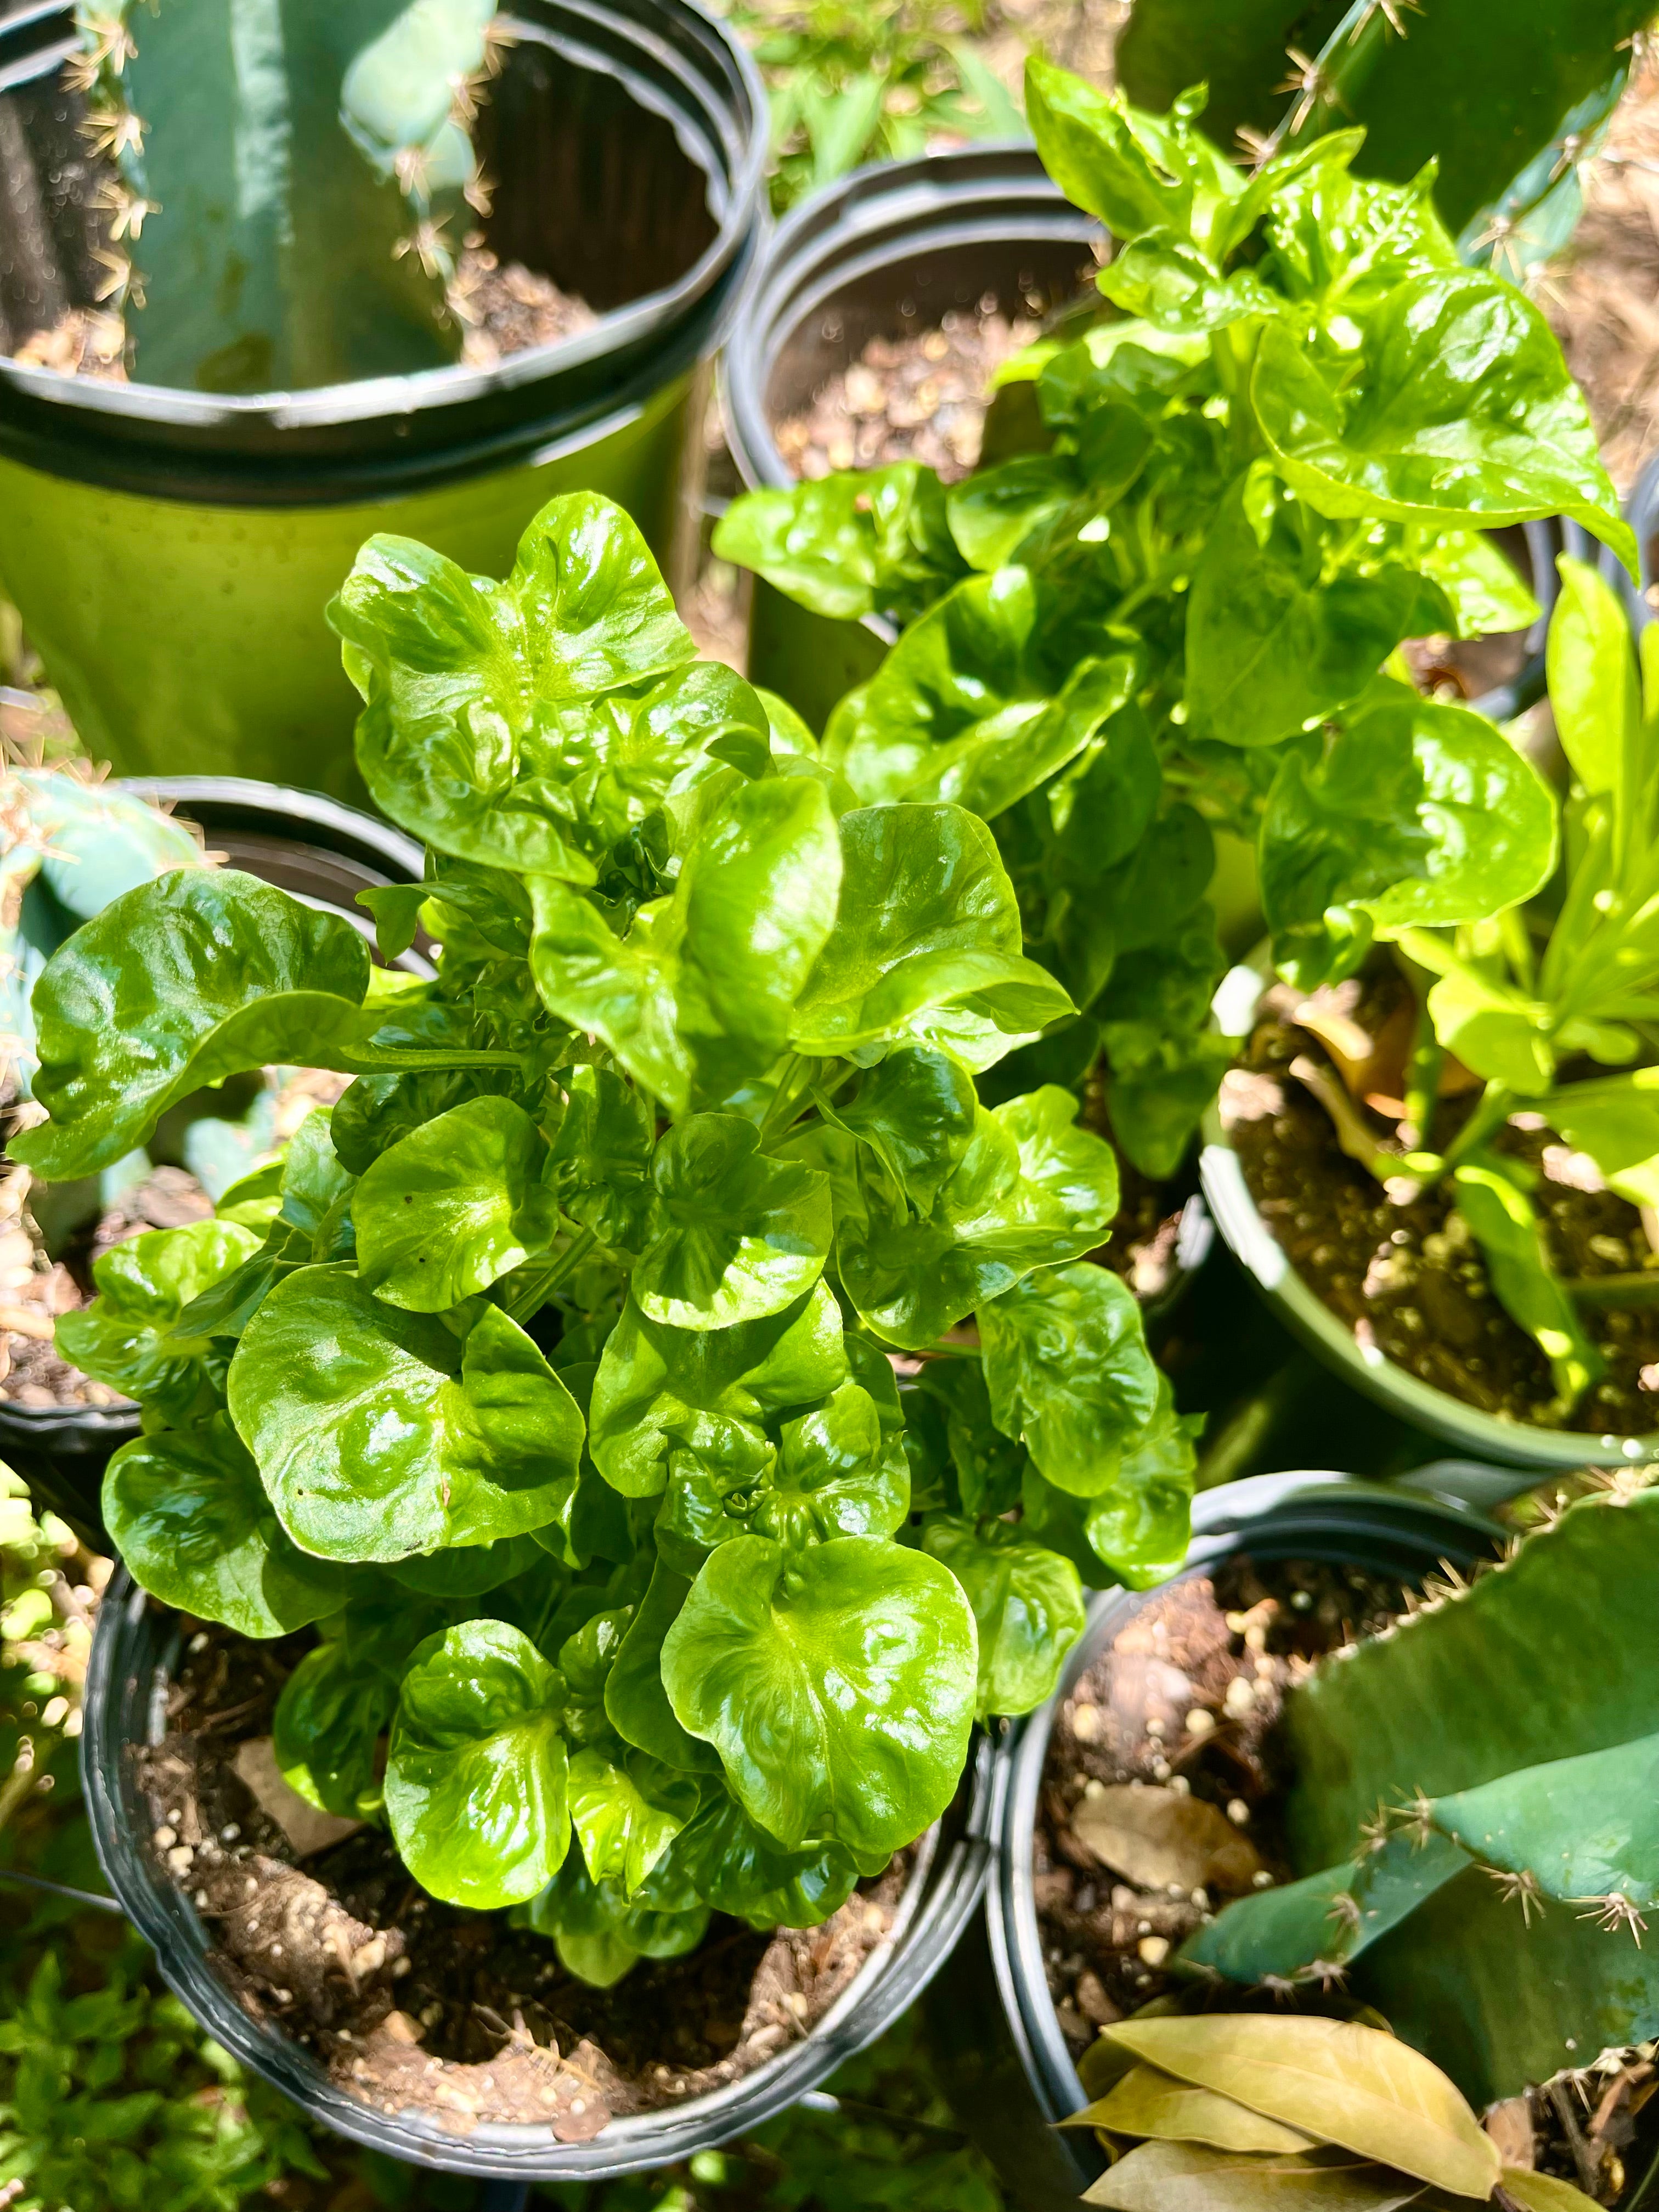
915, 398
503, 309
1405, 1276
411, 2003
1172, 1736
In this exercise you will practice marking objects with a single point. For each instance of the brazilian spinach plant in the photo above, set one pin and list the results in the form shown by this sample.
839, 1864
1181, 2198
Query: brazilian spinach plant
550, 1373
1271, 459
1554, 1005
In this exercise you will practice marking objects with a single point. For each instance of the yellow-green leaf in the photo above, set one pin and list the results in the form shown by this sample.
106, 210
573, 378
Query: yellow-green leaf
1147, 2102
1169, 2177
1543, 2192
1336, 2082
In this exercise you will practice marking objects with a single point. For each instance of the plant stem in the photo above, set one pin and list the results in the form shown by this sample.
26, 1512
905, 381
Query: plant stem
1490, 1114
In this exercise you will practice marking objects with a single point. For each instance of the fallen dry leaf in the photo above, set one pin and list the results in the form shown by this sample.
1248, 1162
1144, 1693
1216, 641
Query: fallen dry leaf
1157, 1837
306, 1828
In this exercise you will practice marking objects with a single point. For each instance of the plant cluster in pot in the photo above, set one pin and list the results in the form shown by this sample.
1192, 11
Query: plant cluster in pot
1148, 655
1301, 1902
619, 1451
71, 840
419, 269
1440, 1158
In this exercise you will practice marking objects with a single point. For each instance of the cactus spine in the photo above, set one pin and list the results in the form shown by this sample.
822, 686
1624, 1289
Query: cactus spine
289, 181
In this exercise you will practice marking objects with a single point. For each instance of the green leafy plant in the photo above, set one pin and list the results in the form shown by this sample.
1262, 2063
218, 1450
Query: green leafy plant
551, 1374
284, 205
882, 81
1249, 2109
1507, 105
1544, 1001
1272, 461
1480, 1866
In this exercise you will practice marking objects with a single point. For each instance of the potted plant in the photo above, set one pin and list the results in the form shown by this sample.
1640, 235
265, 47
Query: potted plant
1265, 1809
1502, 1294
447, 295
1123, 645
551, 1379
72, 841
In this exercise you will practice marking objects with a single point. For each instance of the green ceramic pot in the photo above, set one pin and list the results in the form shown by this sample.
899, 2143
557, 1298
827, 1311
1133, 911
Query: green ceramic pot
171, 552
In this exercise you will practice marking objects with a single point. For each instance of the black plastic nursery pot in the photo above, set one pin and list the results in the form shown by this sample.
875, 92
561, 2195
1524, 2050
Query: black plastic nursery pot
135, 1652
171, 552
1487, 1437
322, 851
887, 252
1004, 2060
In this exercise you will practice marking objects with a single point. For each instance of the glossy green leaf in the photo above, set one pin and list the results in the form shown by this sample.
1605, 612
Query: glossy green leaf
1032, 1190
1334, 2081
1147, 2102
1187, 2177
742, 1870
476, 1772
381, 1433
454, 1206
1617, 1124
1168, 281
1504, 1225
743, 1236
1272, 644
1465, 414
335, 1707
1068, 1371
870, 541
916, 1111
601, 1160
1091, 151
971, 706
635, 1703
654, 1381
1412, 815
178, 983
809, 1672
1595, 696
626, 1813
926, 947
473, 735
1027, 1608
995, 510
131, 1336
185, 1511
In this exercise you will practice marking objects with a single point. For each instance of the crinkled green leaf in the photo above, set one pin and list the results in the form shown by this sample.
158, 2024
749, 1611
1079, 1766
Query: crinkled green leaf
1166, 280
837, 1683
381, 1433
1092, 154
476, 1773
131, 1336
185, 1511
1140, 1525
742, 1236
654, 1383
916, 1111
741, 1870
601, 1161
626, 1812
454, 1206
1028, 1607
1068, 1371
869, 540
635, 1703
1032, 1190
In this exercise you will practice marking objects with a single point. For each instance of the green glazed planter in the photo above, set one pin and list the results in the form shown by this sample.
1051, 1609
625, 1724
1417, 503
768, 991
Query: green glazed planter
171, 552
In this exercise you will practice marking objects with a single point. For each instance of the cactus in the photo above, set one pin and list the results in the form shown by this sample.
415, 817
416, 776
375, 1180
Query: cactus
1509, 99
1477, 1810
289, 181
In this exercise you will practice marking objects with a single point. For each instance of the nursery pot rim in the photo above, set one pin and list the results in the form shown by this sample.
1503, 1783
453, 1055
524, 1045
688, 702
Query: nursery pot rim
155, 438
941, 1893
859, 224
1253, 1244
1223, 1520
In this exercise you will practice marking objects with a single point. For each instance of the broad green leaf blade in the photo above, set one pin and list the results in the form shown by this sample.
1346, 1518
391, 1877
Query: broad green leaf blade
1594, 690
1140, 1525
602, 1158
1148, 2102
635, 1703
332, 1711
1090, 150
654, 1381
926, 947
1178, 2177
619, 989
867, 541
1466, 414
185, 1511
1068, 1371
626, 1813
1028, 1609
1333, 2080
743, 1235
741, 1870
476, 1773
134, 1336
1617, 1124
915, 1110
454, 1206
809, 1672
381, 1433
178, 983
